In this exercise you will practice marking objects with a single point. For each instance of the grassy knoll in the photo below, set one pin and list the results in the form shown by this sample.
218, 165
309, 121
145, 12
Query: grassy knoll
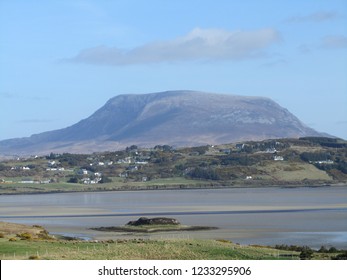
286, 171
12, 229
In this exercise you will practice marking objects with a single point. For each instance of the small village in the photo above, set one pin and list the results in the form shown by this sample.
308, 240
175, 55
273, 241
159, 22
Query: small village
281, 161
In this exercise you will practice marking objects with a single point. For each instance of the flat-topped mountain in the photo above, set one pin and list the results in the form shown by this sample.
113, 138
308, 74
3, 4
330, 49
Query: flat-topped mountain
176, 118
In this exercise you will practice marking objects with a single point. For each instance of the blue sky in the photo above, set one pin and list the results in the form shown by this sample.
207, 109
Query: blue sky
62, 60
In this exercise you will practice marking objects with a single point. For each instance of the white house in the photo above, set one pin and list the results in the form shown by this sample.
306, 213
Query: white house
278, 158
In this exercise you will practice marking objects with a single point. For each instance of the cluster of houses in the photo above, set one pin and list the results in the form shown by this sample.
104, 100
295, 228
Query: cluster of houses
328, 161
90, 177
55, 169
278, 158
29, 181
20, 168
126, 160
133, 164
101, 163
53, 166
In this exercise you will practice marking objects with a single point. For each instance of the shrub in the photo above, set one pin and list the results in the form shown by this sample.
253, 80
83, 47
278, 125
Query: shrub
44, 234
306, 253
2, 235
333, 250
12, 239
323, 249
318, 156
342, 256
35, 257
224, 241
105, 180
204, 173
73, 180
25, 236
37, 226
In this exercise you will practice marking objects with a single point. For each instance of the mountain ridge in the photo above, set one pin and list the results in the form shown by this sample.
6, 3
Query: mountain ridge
177, 118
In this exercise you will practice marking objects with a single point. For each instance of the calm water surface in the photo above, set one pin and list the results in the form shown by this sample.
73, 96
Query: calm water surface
269, 216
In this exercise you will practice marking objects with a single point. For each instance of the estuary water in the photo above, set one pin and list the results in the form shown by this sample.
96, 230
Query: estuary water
295, 216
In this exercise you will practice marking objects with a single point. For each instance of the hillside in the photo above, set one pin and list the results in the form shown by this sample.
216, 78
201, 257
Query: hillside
306, 161
175, 118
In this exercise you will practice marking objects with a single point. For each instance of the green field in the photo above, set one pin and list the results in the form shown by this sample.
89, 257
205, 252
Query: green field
136, 249
116, 184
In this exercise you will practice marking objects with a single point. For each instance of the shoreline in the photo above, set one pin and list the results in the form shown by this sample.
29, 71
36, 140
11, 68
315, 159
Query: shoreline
290, 217
127, 229
182, 187
35, 232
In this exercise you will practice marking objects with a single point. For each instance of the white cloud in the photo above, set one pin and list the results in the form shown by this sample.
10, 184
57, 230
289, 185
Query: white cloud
334, 42
315, 17
199, 44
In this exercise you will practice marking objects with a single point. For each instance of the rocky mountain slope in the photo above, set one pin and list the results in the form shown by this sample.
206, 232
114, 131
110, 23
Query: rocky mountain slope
177, 118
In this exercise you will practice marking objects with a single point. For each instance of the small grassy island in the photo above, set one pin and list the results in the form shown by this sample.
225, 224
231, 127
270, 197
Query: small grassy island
149, 225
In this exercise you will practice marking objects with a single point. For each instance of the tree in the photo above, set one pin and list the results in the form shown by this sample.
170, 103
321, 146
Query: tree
204, 173
342, 256
306, 253
323, 249
131, 148
51, 156
333, 250
3, 167
73, 180
105, 179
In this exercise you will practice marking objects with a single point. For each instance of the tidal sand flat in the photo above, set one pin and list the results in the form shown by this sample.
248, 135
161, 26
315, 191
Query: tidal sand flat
269, 216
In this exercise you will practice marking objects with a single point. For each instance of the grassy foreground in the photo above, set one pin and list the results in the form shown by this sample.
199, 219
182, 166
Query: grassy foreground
136, 249
19, 242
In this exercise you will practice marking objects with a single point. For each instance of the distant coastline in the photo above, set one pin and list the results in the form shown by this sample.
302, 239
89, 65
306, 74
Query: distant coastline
303, 162
176, 187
